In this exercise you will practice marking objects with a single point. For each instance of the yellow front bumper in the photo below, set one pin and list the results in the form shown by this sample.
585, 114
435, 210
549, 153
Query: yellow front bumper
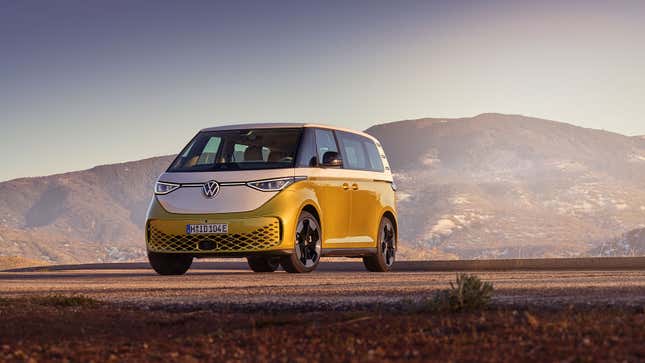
245, 235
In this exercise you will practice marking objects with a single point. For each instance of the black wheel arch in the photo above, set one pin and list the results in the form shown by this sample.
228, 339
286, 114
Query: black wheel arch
311, 209
389, 215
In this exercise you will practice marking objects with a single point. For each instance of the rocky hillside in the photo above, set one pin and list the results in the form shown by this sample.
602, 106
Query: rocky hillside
490, 186
90, 215
631, 243
509, 186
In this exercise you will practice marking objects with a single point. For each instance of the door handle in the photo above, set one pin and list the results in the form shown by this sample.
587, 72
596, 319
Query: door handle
345, 186
354, 186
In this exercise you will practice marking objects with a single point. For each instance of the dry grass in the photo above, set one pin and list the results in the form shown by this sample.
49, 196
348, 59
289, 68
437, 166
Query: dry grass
58, 301
11, 262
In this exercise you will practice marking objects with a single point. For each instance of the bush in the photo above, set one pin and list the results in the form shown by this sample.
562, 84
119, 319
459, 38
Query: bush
467, 293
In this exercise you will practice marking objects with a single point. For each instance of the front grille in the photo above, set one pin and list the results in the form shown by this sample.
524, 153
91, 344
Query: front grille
262, 238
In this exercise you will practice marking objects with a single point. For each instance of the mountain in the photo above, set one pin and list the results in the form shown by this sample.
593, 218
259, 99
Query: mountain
490, 186
510, 186
83, 216
640, 139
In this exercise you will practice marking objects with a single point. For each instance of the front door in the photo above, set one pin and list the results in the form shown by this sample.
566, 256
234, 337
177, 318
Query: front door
365, 199
334, 194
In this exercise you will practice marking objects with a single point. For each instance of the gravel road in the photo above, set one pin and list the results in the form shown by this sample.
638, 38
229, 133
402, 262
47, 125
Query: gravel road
338, 286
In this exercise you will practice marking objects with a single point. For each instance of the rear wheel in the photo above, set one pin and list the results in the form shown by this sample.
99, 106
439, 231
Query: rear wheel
263, 264
308, 246
170, 263
383, 260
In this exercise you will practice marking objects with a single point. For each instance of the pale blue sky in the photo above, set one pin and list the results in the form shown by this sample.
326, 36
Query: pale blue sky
92, 82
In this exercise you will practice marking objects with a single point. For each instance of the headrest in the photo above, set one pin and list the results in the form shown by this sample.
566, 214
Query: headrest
253, 153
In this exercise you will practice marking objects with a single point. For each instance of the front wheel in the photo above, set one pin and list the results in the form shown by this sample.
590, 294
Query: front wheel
170, 263
307, 246
383, 260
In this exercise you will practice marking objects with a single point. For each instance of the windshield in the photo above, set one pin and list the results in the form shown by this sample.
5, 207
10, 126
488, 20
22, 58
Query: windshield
249, 149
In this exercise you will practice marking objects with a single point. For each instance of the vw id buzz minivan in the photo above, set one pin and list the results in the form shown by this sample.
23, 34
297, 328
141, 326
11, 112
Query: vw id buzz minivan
276, 194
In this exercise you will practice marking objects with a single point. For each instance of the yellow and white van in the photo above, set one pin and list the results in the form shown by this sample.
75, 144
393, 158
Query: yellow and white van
277, 194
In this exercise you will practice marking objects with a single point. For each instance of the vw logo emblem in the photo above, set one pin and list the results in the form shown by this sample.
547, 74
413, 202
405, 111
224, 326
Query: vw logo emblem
210, 188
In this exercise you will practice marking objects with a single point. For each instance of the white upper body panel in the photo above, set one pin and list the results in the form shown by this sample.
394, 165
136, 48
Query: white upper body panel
230, 198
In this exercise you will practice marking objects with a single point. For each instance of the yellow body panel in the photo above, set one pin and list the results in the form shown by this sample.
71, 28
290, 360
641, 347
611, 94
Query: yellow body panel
349, 218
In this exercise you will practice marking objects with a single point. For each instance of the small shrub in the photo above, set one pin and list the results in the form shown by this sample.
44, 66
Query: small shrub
467, 293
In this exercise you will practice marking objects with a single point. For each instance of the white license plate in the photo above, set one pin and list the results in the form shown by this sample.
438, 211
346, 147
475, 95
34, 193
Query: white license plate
217, 228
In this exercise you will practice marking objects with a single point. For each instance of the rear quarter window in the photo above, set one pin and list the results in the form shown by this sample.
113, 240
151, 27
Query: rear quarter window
373, 155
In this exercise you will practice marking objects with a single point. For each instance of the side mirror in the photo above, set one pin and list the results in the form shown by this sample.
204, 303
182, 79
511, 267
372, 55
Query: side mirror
331, 159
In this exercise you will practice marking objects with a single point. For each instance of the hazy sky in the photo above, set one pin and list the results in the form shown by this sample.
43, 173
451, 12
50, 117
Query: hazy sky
91, 82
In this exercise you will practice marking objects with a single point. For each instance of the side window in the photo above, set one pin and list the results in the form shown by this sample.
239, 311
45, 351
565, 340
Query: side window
325, 141
307, 157
353, 151
373, 155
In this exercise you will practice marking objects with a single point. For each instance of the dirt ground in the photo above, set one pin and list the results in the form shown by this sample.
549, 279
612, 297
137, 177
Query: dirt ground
82, 330
127, 313
326, 289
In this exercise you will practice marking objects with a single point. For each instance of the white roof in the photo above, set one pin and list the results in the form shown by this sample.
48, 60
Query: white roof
277, 125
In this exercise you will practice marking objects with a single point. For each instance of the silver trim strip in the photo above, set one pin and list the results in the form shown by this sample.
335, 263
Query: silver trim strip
229, 184
199, 185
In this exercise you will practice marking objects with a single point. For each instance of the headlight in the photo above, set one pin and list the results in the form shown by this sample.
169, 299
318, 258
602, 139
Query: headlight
165, 188
273, 185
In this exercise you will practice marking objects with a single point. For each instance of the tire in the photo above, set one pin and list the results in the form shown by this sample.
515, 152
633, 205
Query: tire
385, 255
263, 264
307, 246
170, 263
